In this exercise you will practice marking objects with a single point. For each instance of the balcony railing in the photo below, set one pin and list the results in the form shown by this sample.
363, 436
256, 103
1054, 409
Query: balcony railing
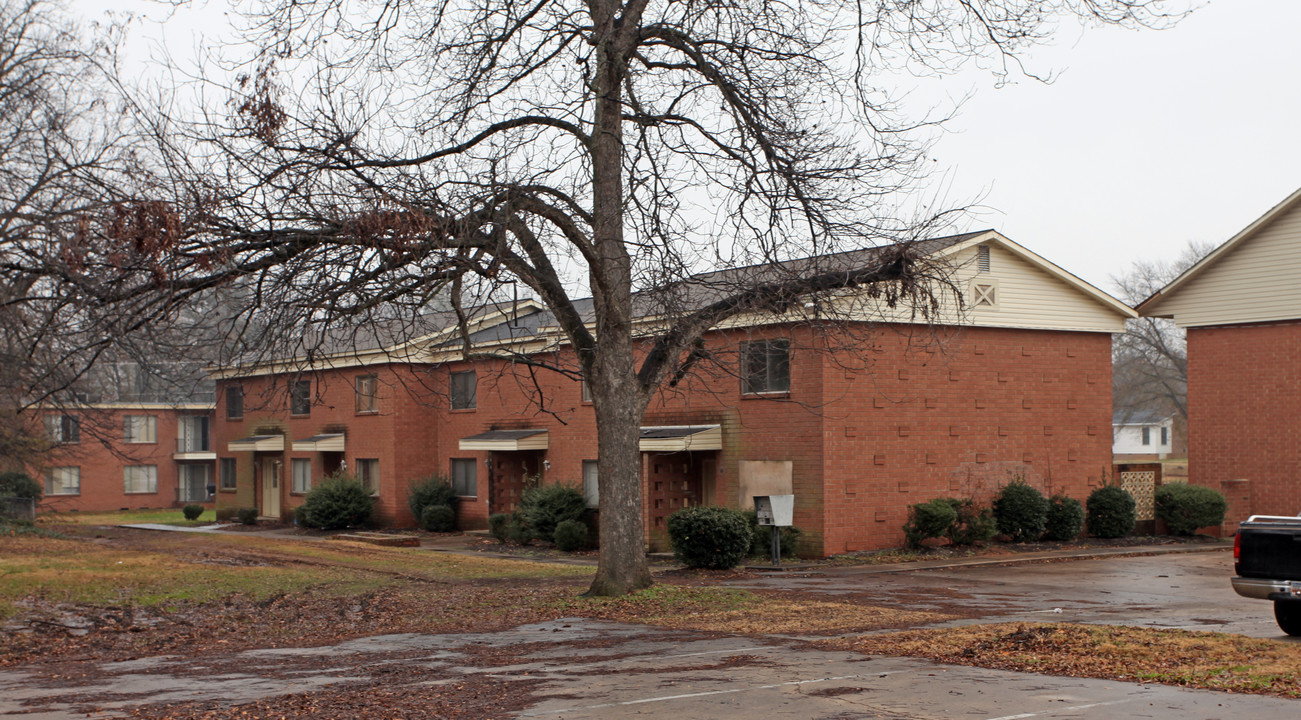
193, 444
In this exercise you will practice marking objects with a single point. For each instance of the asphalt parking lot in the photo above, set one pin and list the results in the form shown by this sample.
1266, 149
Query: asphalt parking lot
576, 668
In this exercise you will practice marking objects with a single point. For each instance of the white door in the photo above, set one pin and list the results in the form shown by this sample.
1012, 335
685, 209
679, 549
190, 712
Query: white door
271, 488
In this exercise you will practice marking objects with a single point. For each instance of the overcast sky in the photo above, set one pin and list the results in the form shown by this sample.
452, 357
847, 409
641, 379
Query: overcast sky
1145, 140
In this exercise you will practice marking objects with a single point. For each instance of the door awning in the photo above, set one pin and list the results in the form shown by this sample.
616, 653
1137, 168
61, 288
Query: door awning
330, 442
680, 438
258, 443
506, 440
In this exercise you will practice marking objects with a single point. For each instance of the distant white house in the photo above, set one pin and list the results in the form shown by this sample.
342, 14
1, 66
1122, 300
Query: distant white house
1141, 432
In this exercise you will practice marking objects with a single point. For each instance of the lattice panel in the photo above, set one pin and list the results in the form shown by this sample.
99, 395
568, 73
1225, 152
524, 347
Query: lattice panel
1142, 485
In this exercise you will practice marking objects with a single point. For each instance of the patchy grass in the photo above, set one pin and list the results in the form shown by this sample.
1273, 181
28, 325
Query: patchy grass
1206, 660
741, 611
159, 516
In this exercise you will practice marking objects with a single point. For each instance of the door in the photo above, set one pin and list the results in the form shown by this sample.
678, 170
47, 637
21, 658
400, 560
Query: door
510, 474
674, 481
271, 488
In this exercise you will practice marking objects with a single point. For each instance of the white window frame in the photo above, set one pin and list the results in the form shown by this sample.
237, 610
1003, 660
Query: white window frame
222, 464
464, 398
367, 401
368, 474
300, 475
137, 476
300, 392
140, 429
465, 476
591, 484
769, 383
58, 480
63, 429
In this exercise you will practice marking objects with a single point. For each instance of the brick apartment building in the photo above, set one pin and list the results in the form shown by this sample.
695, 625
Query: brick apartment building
1241, 307
112, 456
857, 423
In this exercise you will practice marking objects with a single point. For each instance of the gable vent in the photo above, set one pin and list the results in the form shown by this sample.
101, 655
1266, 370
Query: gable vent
982, 258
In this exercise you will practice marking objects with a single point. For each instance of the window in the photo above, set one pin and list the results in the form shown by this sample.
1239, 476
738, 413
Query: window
140, 428
192, 434
465, 481
140, 479
587, 392
463, 390
766, 366
1165, 435
63, 481
984, 294
194, 482
1147, 436
591, 490
302, 475
300, 397
367, 401
63, 428
234, 402
368, 474
228, 478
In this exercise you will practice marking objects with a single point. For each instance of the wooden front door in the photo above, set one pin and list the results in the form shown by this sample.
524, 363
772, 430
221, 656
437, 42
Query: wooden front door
271, 487
673, 481
508, 475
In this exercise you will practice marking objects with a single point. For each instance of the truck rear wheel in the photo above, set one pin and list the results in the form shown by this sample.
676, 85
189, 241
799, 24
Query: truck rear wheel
1288, 615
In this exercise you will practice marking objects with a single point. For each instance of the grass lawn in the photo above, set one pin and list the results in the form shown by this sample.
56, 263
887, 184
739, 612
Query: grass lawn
160, 516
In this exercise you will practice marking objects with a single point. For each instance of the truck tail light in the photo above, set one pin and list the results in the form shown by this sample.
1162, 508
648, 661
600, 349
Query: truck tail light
1237, 546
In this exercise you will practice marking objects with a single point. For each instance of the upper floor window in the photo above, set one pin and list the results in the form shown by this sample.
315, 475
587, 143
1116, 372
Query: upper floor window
300, 397
234, 402
192, 434
63, 428
367, 394
463, 390
63, 481
140, 428
766, 366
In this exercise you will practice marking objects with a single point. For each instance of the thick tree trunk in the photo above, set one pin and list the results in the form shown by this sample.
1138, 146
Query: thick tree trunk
617, 394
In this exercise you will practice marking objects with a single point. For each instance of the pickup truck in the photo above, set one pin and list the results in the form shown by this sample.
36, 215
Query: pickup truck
1267, 562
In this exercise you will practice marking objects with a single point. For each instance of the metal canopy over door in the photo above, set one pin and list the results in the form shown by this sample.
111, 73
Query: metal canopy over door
271, 487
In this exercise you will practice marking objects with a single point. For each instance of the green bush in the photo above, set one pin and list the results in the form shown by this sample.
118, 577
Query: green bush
1109, 512
340, 501
972, 525
247, 516
931, 519
1184, 507
1021, 511
498, 524
300, 516
517, 531
1065, 518
571, 535
20, 485
429, 490
761, 537
544, 507
192, 511
709, 537
438, 518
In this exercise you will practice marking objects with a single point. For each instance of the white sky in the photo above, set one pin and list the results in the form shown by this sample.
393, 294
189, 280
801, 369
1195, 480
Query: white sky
1145, 141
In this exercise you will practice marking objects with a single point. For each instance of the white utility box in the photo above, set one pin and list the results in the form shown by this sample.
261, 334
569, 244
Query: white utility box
776, 510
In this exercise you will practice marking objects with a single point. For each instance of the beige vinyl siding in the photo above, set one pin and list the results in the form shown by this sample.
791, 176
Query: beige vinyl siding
1257, 281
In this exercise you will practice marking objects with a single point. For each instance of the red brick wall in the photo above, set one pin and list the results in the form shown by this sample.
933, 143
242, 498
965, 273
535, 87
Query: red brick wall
102, 454
961, 415
1244, 392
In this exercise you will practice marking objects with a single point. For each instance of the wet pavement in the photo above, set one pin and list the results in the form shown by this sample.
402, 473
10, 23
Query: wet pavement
592, 669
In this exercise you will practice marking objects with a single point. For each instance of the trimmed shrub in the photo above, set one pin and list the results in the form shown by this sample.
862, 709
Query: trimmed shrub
761, 537
247, 516
498, 524
709, 537
931, 519
438, 518
1065, 518
20, 485
192, 511
542, 508
571, 535
971, 525
1184, 507
1021, 511
429, 490
340, 501
1109, 512
300, 516
226, 514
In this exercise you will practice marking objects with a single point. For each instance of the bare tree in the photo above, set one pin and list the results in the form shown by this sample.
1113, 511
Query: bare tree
381, 153
1150, 359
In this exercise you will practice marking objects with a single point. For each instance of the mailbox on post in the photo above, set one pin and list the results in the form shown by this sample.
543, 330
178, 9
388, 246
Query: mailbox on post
776, 511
